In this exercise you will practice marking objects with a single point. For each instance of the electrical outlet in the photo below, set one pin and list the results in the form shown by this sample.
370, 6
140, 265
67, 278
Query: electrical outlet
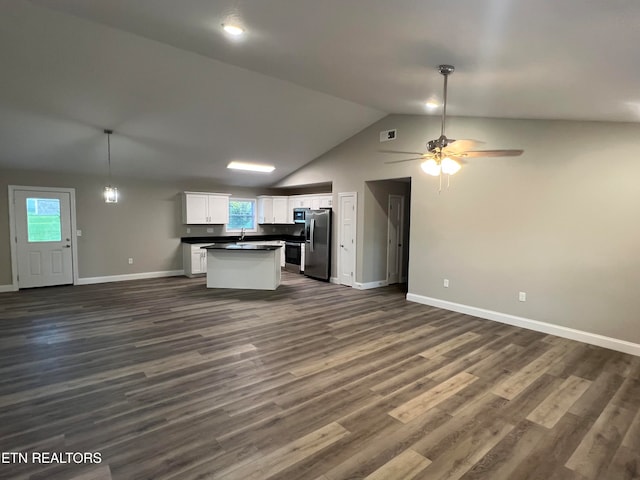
446, 283
130, 261
78, 233
522, 296
188, 230
209, 230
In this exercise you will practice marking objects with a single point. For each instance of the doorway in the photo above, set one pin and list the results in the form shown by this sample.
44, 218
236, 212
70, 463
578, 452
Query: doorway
385, 254
43, 247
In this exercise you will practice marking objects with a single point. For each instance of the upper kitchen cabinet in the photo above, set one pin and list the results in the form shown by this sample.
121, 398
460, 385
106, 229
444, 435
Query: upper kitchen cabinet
205, 208
301, 201
274, 210
324, 200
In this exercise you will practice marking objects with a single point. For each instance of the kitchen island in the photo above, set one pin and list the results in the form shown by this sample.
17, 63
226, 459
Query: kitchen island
233, 265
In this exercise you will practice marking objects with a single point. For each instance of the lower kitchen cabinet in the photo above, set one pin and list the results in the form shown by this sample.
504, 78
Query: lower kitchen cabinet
194, 259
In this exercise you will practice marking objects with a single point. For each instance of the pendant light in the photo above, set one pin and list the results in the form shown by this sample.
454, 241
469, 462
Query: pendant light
110, 192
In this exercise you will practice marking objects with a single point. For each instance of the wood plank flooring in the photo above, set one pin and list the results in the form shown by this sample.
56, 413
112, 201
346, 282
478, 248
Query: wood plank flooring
169, 380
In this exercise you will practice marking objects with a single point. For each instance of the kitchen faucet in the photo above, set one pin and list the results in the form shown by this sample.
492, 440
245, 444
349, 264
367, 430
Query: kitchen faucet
242, 234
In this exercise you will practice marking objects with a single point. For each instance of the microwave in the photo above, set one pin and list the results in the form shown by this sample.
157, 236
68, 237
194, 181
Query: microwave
299, 215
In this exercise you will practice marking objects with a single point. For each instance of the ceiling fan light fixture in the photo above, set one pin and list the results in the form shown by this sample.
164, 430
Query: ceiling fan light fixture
450, 166
431, 167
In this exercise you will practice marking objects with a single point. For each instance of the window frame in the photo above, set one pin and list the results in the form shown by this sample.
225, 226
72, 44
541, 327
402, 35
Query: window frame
228, 229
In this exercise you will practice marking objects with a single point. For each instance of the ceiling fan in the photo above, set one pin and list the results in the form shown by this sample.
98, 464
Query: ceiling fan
446, 155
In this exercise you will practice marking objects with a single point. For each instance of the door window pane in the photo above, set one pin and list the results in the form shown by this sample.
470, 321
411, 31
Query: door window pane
43, 220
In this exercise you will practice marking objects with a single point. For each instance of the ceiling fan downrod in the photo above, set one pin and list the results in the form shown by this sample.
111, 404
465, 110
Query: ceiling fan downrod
445, 70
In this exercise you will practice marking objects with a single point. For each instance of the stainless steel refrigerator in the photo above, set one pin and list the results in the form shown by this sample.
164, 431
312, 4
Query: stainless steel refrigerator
317, 245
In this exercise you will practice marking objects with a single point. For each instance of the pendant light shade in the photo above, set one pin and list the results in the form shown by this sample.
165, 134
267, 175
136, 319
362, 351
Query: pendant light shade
110, 192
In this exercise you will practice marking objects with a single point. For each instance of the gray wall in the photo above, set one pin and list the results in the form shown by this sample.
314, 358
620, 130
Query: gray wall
146, 224
559, 222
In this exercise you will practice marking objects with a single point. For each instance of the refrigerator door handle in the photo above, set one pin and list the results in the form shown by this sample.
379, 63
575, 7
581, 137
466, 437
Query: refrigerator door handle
312, 232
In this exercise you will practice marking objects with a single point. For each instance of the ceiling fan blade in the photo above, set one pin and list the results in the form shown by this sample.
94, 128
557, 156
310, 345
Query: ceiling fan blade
401, 151
406, 160
458, 146
491, 153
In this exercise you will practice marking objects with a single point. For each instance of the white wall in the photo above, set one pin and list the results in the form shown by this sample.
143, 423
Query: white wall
559, 222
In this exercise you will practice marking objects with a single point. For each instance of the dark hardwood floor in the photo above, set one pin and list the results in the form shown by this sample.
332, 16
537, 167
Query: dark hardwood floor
169, 380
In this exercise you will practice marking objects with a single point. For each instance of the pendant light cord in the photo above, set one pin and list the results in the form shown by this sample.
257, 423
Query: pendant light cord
109, 153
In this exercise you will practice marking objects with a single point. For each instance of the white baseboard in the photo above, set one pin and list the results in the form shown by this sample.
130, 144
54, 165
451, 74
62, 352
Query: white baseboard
368, 285
8, 288
558, 330
129, 276
335, 280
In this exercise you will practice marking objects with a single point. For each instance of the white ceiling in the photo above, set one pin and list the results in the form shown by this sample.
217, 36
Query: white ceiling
312, 73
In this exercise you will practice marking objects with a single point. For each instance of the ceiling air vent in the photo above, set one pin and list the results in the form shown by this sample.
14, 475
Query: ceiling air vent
387, 135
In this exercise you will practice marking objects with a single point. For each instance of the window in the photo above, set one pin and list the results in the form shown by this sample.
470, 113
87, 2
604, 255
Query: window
43, 220
242, 214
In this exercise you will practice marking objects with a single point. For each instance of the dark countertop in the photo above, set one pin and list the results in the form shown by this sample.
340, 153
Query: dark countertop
247, 238
235, 246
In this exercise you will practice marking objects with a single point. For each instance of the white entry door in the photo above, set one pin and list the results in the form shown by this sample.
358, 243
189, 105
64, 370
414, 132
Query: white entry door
347, 253
394, 238
43, 238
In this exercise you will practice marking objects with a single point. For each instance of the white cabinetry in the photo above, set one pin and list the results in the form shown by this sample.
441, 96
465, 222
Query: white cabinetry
194, 259
274, 210
313, 202
325, 201
281, 213
205, 208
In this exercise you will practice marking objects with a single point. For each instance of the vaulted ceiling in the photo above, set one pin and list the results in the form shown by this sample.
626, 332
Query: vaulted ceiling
184, 98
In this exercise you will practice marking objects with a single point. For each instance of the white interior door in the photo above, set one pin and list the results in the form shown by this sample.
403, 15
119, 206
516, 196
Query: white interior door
347, 237
43, 238
394, 238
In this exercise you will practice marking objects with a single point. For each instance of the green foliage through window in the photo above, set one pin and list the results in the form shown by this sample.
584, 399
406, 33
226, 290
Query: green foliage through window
43, 220
242, 214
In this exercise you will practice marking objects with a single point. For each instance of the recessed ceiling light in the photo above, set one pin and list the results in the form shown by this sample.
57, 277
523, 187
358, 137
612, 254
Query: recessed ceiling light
251, 167
432, 104
233, 29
